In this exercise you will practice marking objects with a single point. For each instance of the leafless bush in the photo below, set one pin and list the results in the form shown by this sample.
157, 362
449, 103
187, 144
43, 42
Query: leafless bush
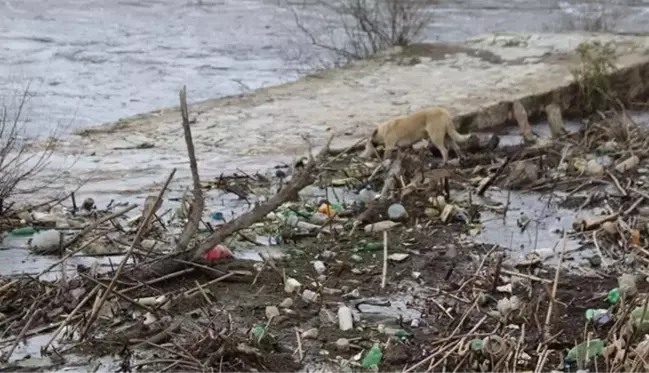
348, 30
21, 157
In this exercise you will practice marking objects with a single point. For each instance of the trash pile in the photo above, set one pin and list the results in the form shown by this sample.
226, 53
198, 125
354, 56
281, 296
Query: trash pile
377, 269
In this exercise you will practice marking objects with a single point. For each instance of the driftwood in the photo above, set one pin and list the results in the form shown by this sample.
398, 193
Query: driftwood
520, 114
196, 210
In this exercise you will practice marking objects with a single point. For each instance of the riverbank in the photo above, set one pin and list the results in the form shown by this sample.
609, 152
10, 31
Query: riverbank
477, 79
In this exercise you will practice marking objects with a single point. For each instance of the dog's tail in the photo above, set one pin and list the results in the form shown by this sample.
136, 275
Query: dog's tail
453, 134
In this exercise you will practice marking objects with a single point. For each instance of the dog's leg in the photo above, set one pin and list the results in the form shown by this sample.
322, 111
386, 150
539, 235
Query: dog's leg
438, 138
455, 147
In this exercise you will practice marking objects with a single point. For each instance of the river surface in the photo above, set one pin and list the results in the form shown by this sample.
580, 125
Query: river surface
95, 61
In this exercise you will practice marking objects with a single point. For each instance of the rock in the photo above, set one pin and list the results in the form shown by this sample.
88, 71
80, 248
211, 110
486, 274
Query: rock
310, 334
148, 244
398, 257
345, 320
271, 312
88, 204
319, 267
342, 344
415, 323
380, 226
628, 164
522, 173
310, 296
595, 261
45, 242
291, 285
396, 212
415, 275
321, 279
286, 303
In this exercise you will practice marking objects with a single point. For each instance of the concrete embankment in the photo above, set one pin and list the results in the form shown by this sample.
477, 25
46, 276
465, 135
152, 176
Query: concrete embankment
476, 80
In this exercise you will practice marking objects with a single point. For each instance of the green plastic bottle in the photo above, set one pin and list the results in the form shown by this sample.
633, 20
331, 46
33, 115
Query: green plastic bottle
24, 231
614, 296
373, 246
373, 357
257, 331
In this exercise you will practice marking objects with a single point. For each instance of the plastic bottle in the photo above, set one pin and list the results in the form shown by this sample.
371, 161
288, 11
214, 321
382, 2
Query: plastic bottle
373, 357
613, 296
24, 231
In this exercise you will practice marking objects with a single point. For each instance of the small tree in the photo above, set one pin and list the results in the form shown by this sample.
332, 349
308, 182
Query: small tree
358, 29
19, 160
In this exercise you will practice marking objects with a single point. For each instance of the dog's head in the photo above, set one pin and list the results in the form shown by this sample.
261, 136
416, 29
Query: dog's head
374, 139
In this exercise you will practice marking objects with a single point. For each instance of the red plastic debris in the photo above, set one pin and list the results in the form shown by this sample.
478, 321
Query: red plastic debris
217, 253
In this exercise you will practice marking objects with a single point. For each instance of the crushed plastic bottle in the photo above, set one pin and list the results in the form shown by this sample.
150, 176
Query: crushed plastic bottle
257, 331
584, 350
365, 196
373, 357
477, 345
613, 296
598, 316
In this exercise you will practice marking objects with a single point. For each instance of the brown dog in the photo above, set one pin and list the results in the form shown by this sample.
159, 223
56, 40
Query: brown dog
433, 123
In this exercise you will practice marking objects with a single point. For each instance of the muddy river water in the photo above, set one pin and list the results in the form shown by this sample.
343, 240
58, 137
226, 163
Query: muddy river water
91, 61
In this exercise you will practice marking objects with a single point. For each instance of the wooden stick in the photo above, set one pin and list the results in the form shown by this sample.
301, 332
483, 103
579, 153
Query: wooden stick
385, 259
135, 242
198, 203
554, 286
